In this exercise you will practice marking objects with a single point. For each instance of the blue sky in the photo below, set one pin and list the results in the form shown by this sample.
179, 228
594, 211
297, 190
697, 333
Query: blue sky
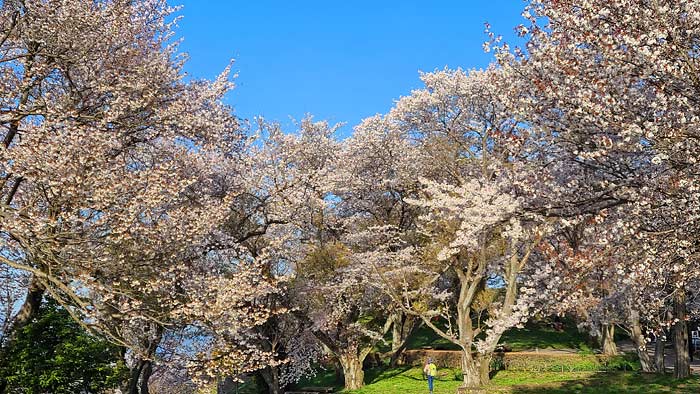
338, 60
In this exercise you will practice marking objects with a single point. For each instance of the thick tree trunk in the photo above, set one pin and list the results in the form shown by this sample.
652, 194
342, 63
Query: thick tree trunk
139, 377
608, 340
352, 369
396, 330
681, 367
473, 372
271, 377
640, 342
659, 355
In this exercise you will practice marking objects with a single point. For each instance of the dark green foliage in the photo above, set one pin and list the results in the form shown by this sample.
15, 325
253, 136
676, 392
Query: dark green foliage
54, 354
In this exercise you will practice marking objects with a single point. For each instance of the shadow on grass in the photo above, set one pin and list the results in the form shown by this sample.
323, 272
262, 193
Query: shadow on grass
376, 374
323, 378
612, 382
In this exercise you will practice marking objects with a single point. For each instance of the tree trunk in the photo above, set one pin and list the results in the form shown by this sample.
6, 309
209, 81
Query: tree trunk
402, 328
352, 369
28, 310
146, 376
485, 368
271, 377
396, 330
141, 372
681, 367
659, 350
139, 377
338, 371
134, 377
473, 372
608, 340
407, 326
640, 342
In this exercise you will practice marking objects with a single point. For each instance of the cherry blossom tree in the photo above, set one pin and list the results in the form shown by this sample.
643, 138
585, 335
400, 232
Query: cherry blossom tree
605, 279
612, 82
344, 308
378, 174
301, 179
336, 303
475, 232
116, 176
284, 212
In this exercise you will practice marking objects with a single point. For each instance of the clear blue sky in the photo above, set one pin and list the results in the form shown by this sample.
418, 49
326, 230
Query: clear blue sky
338, 60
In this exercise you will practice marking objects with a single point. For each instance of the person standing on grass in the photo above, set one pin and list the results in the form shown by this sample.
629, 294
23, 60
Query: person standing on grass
691, 349
430, 370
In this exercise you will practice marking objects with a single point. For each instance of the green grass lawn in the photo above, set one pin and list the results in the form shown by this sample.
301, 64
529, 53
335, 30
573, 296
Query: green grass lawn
411, 381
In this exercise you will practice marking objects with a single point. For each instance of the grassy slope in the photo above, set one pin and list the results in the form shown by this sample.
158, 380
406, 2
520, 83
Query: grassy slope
425, 337
531, 337
537, 336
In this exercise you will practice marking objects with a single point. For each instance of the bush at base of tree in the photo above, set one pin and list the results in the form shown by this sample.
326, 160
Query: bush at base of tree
54, 354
